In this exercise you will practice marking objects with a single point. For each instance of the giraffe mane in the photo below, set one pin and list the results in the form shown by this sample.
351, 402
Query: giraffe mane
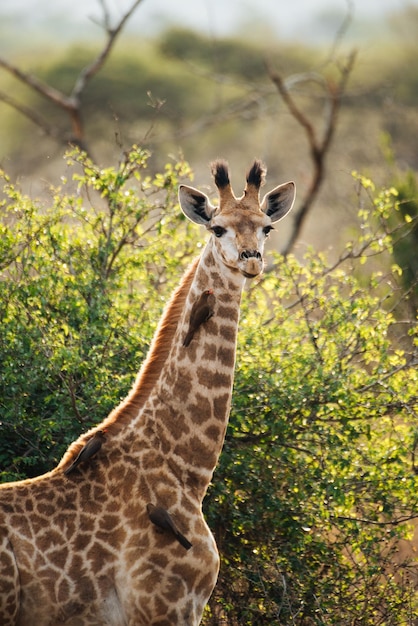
149, 372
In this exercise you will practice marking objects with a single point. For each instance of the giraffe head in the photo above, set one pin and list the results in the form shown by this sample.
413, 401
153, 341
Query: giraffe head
239, 225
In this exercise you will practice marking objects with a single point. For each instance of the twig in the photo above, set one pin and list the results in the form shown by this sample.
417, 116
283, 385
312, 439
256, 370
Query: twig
30, 114
90, 70
392, 522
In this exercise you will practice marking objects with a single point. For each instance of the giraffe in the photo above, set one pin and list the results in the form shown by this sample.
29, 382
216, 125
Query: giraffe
80, 549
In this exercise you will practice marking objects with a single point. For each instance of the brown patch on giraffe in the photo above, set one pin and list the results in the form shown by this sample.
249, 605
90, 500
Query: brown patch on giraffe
205, 582
49, 538
158, 560
165, 621
209, 351
183, 385
81, 541
187, 572
226, 356
177, 426
87, 592
63, 590
160, 606
227, 312
228, 333
98, 555
220, 404
20, 522
150, 581
59, 557
200, 409
167, 496
180, 381
109, 522
69, 609
152, 459
45, 508
30, 506
175, 588
187, 506
213, 380
194, 448
213, 432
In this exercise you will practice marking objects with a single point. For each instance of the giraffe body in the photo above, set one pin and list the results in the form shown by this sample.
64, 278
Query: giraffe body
79, 549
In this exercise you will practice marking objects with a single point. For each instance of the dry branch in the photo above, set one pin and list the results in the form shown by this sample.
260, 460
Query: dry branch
319, 144
70, 104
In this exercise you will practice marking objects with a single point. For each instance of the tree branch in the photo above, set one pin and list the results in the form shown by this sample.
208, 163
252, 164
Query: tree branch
90, 70
70, 104
30, 114
319, 146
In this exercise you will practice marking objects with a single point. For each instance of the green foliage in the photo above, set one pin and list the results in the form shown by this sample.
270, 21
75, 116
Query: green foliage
406, 245
317, 475
75, 279
317, 480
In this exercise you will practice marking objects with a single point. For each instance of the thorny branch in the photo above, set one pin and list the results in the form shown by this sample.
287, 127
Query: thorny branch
71, 104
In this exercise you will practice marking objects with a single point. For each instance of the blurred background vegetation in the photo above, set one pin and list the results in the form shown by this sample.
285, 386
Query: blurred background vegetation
314, 502
205, 96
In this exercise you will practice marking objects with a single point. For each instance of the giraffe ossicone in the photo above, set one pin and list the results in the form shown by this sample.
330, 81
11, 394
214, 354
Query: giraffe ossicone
83, 550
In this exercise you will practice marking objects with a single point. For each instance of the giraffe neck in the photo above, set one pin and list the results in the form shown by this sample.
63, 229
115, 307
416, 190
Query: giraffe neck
187, 411
150, 370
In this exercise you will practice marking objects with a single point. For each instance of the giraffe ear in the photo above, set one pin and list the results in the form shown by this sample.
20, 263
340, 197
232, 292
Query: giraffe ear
278, 202
195, 205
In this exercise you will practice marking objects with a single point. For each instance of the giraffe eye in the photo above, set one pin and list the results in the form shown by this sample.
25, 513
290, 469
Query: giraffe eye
218, 231
267, 230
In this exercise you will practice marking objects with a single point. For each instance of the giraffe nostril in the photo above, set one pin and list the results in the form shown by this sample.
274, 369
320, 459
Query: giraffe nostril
248, 254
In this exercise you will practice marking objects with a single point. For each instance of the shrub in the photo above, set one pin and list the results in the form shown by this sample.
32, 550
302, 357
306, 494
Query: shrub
317, 481
82, 285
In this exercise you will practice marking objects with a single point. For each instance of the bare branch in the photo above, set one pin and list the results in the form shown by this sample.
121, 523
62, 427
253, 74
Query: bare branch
294, 110
56, 96
70, 104
30, 114
339, 36
319, 146
90, 70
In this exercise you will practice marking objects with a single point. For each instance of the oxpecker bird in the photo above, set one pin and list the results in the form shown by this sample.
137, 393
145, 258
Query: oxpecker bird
202, 311
88, 450
162, 518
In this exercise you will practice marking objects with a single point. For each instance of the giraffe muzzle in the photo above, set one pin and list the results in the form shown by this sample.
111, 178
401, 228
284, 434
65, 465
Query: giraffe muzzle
251, 263
248, 254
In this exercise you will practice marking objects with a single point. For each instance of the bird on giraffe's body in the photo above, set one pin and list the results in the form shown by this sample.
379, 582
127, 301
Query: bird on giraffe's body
91, 448
161, 518
202, 310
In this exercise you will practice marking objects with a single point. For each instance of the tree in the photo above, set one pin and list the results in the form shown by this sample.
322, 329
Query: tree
319, 142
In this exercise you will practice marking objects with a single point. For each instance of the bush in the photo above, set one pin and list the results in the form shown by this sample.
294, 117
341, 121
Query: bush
75, 278
317, 482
